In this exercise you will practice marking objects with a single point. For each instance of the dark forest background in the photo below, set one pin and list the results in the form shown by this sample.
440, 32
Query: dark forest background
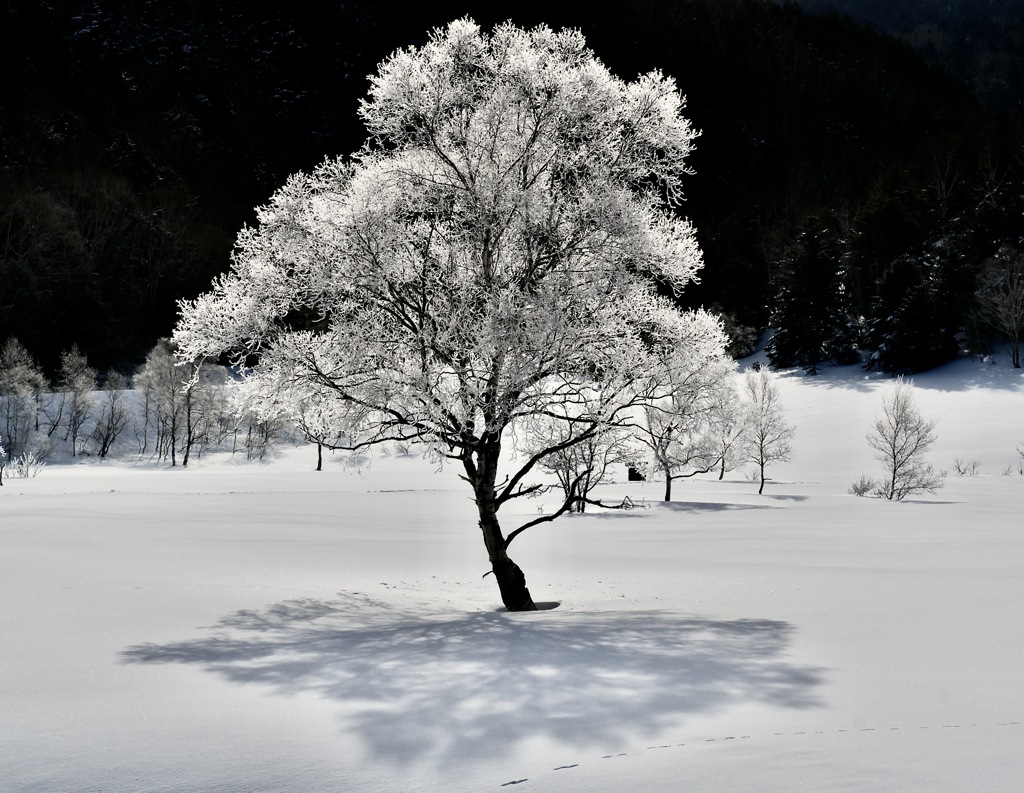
851, 184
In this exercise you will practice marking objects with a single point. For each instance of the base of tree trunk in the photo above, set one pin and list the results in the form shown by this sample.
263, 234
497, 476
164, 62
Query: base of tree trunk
512, 585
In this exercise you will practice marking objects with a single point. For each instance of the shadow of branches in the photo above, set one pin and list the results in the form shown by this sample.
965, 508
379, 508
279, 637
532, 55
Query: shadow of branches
710, 506
416, 686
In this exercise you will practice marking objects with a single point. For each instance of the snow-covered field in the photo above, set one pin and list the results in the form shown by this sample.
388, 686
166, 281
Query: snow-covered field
263, 627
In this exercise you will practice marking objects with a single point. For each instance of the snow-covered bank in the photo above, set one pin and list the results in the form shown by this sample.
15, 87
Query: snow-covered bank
265, 627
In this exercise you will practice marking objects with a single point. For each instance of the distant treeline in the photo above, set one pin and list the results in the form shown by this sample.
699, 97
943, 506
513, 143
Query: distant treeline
166, 411
979, 43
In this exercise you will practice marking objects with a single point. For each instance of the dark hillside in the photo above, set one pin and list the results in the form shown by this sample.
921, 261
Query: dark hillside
136, 137
980, 43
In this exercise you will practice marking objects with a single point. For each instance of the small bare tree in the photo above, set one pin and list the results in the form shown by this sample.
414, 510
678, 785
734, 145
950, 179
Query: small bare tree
900, 438
161, 382
770, 436
581, 467
76, 382
22, 385
730, 427
114, 413
204, 405
677, 431
267, 402
313, 419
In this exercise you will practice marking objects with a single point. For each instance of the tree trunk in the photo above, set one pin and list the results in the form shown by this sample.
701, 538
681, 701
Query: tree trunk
188, 444
319, 456
760, 490
668, 486
510, 578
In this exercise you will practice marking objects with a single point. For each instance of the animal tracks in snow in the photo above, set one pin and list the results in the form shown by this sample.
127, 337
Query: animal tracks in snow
728, 738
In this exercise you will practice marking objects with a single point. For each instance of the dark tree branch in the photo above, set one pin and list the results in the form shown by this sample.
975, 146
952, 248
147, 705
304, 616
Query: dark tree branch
507, 493
570, 499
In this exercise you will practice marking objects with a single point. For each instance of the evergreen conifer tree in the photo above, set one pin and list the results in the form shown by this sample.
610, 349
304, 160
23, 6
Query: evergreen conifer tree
811, 312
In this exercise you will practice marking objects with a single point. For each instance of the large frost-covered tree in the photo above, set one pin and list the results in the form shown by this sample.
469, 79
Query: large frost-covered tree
488, 261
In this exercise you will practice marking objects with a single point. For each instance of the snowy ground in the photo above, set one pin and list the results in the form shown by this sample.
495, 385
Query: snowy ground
262, 627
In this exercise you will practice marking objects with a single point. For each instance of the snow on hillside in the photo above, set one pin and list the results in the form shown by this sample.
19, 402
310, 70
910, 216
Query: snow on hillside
264, 627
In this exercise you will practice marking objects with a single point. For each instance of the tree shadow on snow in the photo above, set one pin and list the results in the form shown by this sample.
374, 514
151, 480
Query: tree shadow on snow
710, 506
453, 687
970, 376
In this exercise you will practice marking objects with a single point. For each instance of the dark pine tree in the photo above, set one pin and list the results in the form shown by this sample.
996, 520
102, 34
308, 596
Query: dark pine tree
918, 313
812, 316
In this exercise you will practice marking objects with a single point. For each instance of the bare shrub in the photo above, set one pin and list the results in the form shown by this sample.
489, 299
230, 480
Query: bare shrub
863, 486
26, 466
966, 468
